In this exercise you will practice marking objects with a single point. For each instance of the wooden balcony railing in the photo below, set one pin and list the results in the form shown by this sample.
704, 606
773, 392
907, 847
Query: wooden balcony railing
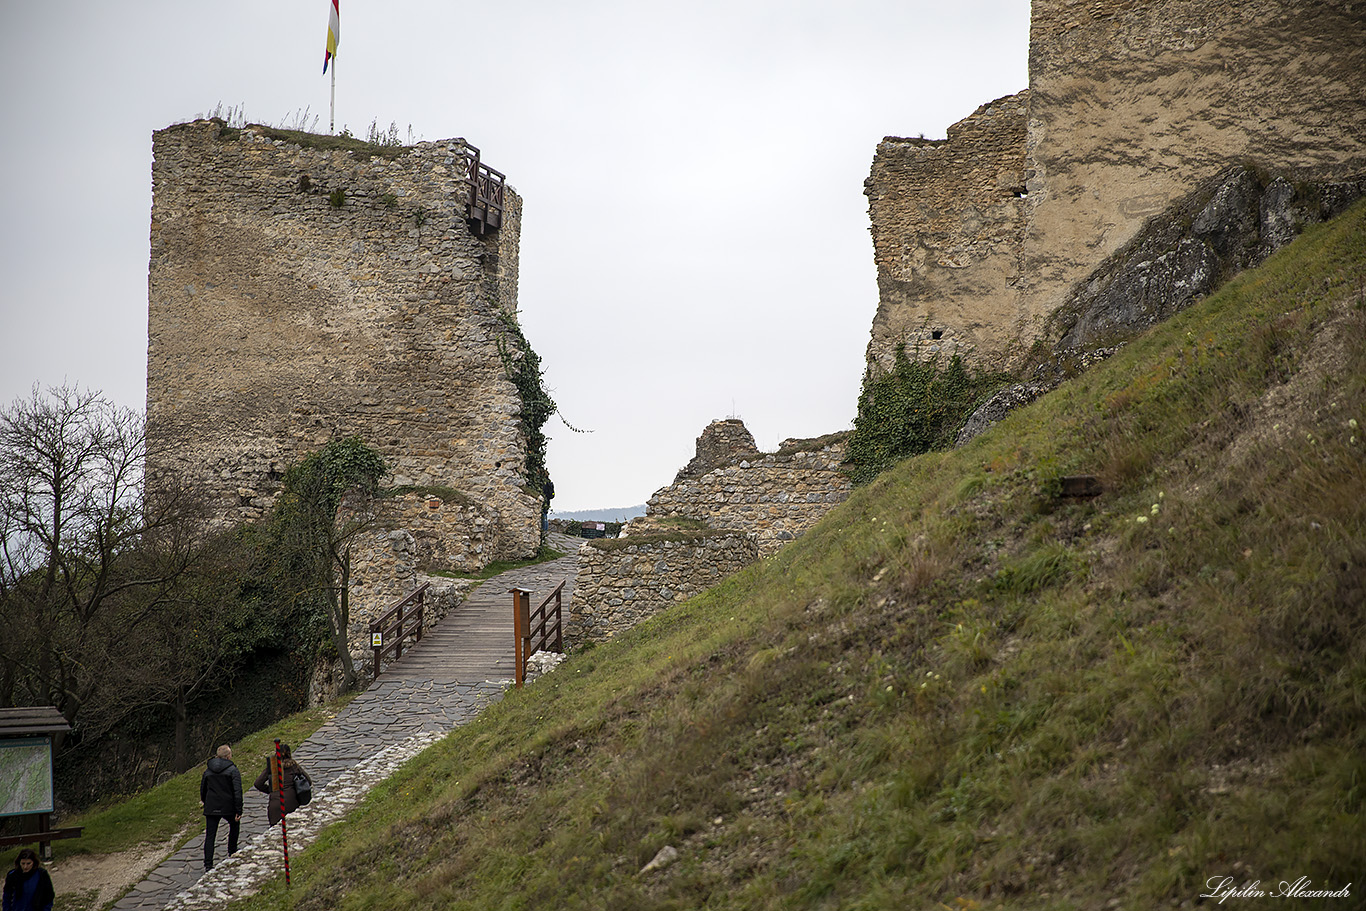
484, 209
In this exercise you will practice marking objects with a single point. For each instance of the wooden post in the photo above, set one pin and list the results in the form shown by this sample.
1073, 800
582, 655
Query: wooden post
377, 644
521, 622
421, 617
559, 620
280, 791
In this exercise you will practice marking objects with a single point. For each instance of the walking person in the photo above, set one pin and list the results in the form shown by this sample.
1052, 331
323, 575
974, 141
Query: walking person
28, 886
265, 783
547, 494
220, 791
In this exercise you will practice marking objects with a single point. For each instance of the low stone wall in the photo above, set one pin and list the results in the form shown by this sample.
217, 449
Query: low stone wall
776, 496
622, 581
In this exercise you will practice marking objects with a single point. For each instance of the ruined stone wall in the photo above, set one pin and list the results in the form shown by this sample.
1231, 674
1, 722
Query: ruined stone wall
279, 321
1131, 105
777, 496
947, 224
1134, 103
414, 533
722, 443
621, 582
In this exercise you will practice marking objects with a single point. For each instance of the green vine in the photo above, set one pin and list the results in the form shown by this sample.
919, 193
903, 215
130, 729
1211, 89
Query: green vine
523, 366
916, 407
297, 547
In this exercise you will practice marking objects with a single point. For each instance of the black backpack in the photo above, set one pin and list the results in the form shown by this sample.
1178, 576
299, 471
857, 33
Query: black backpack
303, 788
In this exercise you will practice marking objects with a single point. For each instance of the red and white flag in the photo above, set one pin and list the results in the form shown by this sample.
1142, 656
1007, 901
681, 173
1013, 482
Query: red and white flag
333, 34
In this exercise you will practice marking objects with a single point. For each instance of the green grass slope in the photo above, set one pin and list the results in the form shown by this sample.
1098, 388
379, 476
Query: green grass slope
959, 690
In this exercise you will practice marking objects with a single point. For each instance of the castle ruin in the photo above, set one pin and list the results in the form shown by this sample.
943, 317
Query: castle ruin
978, 238
300, 294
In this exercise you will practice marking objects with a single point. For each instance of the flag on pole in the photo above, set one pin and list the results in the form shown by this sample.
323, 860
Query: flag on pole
333, 35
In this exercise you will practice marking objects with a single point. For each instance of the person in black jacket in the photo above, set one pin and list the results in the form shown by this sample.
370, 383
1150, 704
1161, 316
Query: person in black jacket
220, 791
28, 886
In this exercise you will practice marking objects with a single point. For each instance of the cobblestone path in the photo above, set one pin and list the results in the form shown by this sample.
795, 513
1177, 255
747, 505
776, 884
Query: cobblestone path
461, 665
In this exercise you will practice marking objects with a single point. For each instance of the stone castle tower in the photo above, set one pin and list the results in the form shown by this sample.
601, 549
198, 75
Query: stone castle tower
1131, 104
298, 295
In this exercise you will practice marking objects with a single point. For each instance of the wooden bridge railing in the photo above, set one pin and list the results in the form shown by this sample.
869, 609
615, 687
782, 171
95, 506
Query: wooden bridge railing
404, 619
535, 631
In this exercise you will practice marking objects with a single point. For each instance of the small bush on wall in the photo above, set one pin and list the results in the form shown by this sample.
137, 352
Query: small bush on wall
913, 408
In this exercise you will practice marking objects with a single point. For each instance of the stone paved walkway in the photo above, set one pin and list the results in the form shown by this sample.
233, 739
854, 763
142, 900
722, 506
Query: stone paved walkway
401, 714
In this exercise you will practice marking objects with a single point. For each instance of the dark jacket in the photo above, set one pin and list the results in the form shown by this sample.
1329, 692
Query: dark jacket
15, 881
221, 788
265, 783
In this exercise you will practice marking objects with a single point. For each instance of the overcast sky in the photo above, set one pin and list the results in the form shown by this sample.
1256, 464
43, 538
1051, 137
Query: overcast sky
695, 237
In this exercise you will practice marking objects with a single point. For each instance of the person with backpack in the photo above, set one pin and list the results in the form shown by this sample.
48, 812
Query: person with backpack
298, 787
220, 791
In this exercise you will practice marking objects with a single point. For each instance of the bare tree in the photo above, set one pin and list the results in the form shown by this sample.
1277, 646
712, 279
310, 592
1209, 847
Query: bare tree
73, 600
196, 631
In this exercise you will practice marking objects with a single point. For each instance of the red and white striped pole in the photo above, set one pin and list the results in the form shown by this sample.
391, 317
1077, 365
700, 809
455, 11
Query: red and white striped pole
280, 790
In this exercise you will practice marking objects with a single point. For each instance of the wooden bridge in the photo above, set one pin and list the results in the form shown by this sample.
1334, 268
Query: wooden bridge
475, 641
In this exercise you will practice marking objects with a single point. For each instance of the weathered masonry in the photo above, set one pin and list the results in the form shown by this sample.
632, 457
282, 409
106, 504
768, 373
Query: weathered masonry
299, 295
1131, 105
730, 506
731, 485
621, 582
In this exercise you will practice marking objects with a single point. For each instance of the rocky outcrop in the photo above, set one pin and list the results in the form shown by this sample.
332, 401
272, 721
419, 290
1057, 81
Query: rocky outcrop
1232, 222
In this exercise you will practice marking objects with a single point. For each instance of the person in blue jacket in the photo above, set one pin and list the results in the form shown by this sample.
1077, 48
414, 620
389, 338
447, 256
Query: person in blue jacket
27, 886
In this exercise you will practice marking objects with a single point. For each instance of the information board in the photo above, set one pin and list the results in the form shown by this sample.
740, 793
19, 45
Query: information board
25, 776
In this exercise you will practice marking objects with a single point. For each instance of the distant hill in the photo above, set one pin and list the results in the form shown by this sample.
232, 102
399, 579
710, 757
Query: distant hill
617, 514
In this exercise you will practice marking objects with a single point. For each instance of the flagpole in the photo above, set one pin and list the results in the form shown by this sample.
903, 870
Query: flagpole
332, 117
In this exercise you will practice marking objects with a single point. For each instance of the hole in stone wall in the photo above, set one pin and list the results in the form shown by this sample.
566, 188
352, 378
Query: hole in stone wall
936, 334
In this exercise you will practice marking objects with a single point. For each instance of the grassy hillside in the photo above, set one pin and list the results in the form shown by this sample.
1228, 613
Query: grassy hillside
960, 690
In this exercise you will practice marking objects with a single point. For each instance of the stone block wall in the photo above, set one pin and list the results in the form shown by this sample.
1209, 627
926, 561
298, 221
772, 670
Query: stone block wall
622, 581
947, 232
411, 534
1134, 104
722, 443
1130, 106
279, 320
777, 496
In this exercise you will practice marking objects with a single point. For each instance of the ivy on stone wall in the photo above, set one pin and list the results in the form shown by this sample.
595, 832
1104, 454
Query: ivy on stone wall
523, 366
306, 552
913, 408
